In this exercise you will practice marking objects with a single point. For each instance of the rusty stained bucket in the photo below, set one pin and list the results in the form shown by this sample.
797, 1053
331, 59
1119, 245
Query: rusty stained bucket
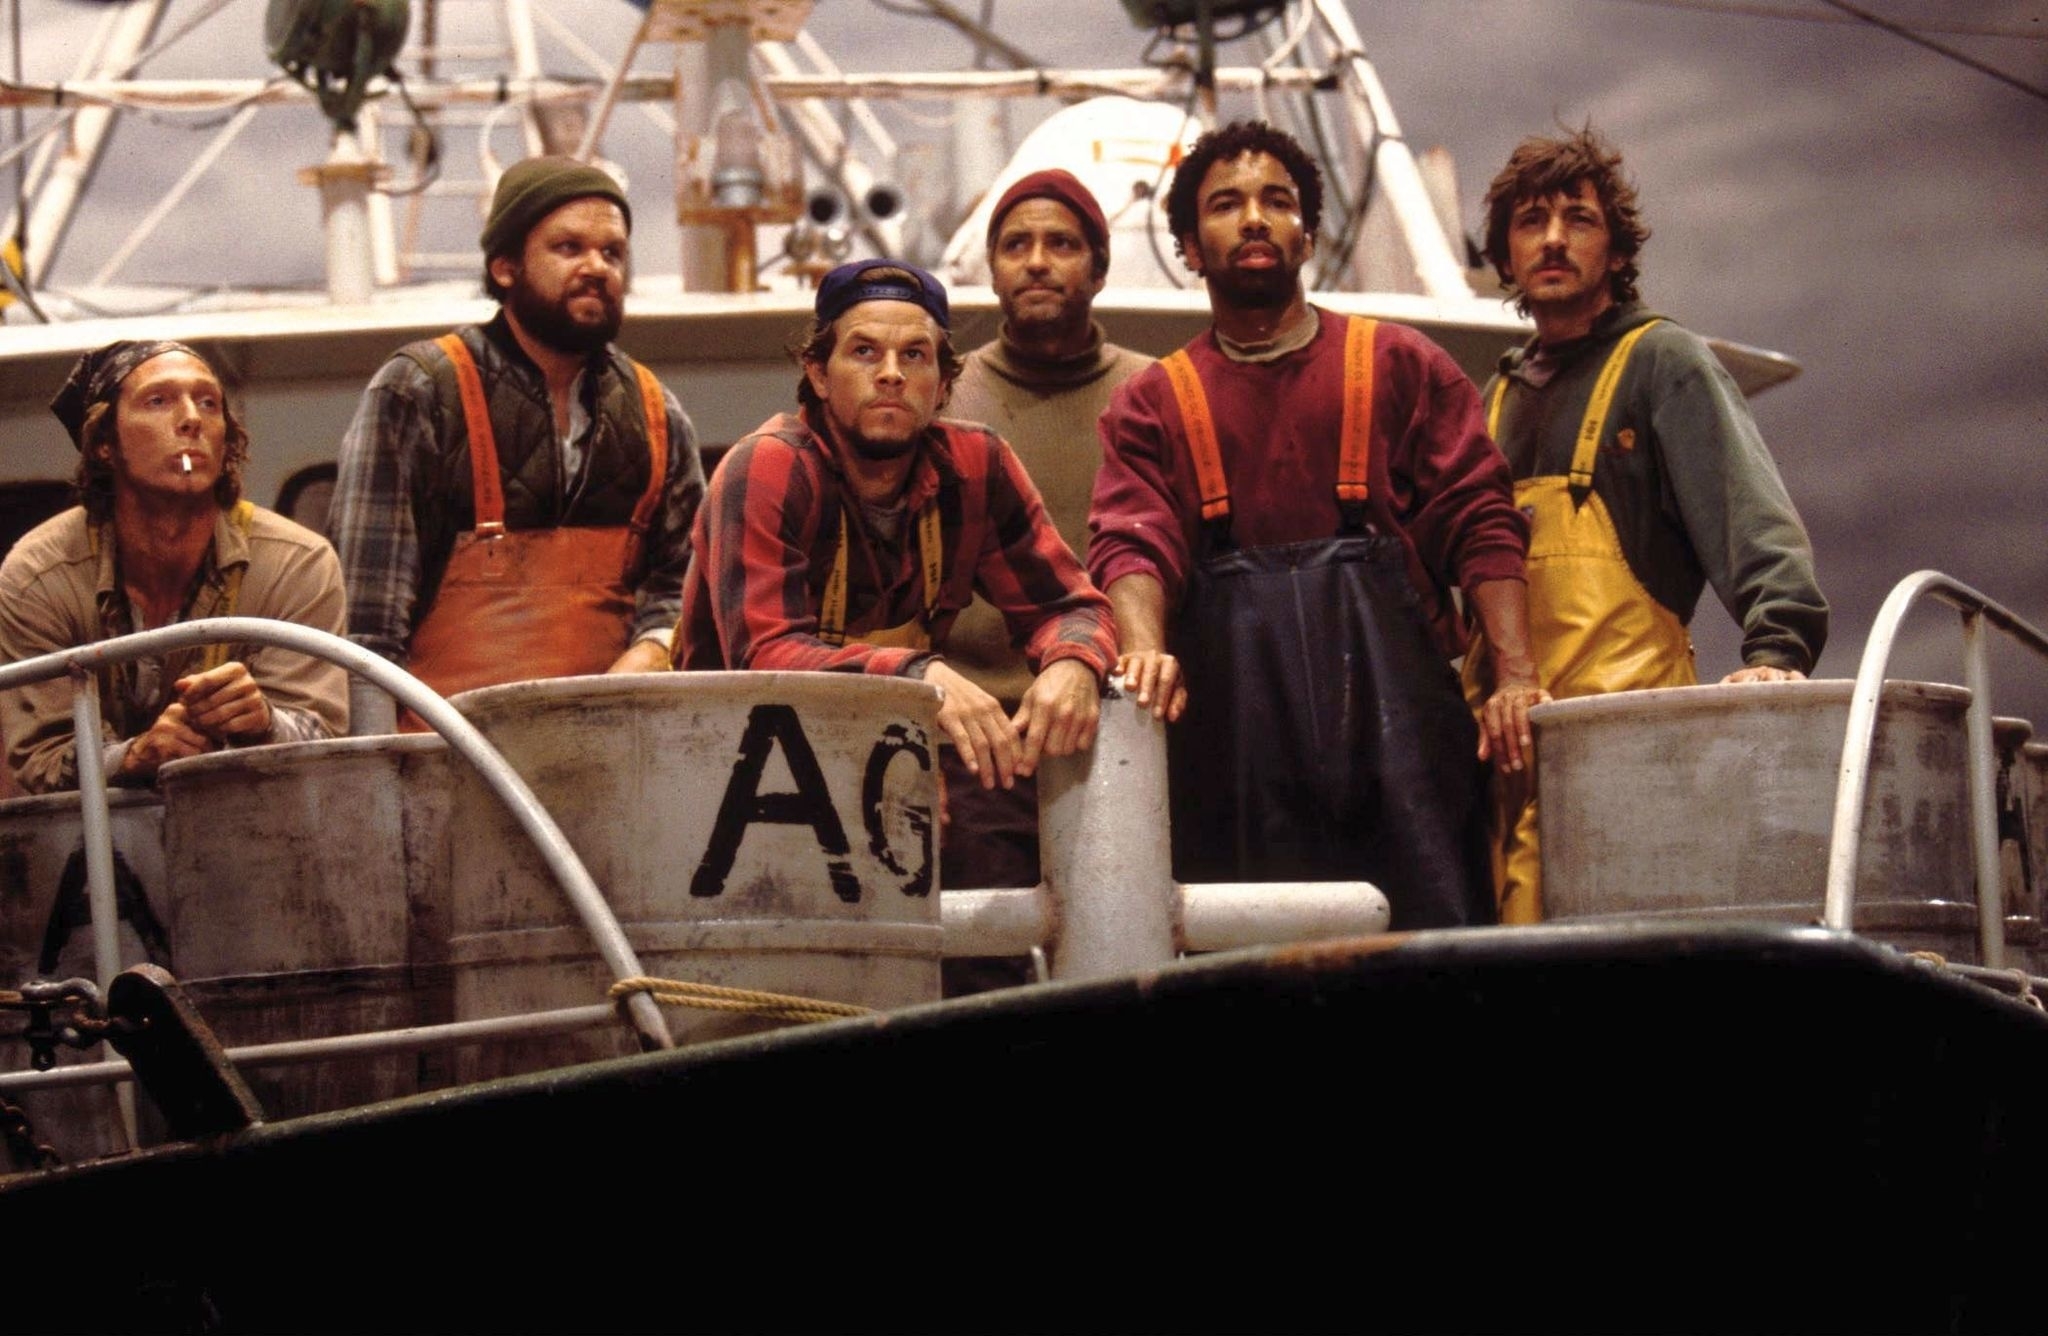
43, 903
2031, 782
2022, 905
308, 886
1717, 803
771, 831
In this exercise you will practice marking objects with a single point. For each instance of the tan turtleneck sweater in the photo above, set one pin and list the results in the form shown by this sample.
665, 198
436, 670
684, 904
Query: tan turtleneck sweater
1046, 411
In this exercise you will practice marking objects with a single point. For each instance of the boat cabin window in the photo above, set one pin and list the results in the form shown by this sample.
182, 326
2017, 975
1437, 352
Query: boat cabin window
305, 496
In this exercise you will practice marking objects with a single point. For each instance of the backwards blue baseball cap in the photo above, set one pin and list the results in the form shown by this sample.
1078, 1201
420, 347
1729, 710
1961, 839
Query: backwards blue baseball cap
848, 286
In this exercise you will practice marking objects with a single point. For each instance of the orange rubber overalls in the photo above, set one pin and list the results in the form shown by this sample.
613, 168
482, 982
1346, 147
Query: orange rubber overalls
518, 605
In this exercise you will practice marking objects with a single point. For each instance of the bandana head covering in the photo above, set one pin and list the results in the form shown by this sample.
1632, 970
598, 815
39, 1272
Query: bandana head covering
845, 287
96, 379
1062, 187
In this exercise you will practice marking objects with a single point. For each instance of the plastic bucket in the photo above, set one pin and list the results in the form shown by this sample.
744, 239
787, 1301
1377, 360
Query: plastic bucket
1717, 803
308, 886
772, 831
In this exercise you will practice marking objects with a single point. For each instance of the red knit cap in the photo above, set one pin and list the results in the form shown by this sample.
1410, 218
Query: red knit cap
1066, 188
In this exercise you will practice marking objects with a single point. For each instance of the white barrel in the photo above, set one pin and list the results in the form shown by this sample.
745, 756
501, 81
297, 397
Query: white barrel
1717, 803
772, 831
42, 877
2022, 909
308, 886
2031, 780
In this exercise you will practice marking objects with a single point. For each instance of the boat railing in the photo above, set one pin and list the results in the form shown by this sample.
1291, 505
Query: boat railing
1108, 898
462, 737
1976, 611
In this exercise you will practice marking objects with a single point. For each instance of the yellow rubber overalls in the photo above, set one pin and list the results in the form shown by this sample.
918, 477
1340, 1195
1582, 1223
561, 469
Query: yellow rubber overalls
1594, 627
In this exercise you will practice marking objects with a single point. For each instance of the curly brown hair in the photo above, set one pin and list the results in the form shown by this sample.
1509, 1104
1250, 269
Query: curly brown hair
1541, 167
95, 476
1228, 144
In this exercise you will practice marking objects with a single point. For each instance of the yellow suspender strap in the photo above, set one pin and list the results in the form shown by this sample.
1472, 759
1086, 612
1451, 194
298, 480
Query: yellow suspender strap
656, 409
931, 554
1355, 453
1201, 433
242, 516
487, 494
1588, 447
1493, 403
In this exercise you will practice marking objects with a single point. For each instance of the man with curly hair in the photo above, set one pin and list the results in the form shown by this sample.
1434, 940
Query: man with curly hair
1637, 459
1283, 508
163, 536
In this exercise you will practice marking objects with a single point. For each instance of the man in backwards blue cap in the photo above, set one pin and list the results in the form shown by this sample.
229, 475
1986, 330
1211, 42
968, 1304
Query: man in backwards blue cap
848, 536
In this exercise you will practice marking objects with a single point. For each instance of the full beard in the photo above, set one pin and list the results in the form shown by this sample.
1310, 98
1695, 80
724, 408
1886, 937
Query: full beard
553, 325
1256, 289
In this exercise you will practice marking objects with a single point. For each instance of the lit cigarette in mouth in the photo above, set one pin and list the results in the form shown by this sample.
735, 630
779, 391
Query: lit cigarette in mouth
184, 461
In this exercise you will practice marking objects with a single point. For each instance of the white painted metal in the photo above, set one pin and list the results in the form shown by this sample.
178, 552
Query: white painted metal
306, 891
998, 922
66, 162
827, 148
1224, 917
1372, 118
1210, 917
724, 874
1106, 851
41, 835
414, 1039
529, 817
99, 854
1712, 802
1983, 795
345, 181
99, 837
1852, 785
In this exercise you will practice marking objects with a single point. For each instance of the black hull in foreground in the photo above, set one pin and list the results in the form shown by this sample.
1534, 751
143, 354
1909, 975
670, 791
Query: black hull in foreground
1537, 1129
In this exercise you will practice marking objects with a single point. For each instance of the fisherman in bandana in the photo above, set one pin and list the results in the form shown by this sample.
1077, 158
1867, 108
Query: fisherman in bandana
163, 536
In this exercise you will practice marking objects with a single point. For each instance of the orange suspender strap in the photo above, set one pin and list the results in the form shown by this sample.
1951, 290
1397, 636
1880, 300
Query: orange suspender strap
656, 408
488, 494
1355, 451
1201, 434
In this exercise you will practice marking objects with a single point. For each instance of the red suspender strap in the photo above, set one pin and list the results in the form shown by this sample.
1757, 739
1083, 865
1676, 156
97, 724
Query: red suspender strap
656, 408
1355, 450
1201, 432
488, 493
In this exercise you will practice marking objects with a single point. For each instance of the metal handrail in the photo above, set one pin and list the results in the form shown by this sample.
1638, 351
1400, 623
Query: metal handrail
462, 736
1853, 786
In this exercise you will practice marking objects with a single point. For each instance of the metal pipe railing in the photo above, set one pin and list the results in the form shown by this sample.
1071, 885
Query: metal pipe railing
462, 736
1852, 788
1109, 904
373, 1043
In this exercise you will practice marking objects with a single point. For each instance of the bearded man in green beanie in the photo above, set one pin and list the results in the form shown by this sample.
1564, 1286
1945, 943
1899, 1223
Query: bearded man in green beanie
515, 498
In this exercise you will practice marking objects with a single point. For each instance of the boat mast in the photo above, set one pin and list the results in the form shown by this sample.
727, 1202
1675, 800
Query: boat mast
66, 159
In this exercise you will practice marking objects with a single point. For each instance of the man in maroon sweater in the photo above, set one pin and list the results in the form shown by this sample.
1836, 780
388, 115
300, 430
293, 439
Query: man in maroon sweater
1282, 508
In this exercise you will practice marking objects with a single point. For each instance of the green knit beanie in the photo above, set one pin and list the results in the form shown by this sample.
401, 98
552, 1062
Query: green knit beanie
531, 190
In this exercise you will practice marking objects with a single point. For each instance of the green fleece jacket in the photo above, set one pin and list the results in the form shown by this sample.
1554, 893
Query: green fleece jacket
1693, 492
